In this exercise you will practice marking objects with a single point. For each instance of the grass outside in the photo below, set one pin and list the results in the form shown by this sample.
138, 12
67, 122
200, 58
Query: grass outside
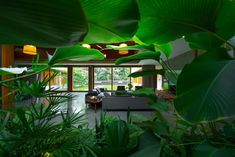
107, 87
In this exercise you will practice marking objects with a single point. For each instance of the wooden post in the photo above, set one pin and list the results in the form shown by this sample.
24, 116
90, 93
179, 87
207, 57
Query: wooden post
91, 77
7, 60
70, 78
149, 81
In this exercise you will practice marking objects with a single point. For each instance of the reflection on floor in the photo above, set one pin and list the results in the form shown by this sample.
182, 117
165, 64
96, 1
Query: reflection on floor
77, 104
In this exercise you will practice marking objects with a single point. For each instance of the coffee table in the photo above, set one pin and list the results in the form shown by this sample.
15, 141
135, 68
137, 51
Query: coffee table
94, 102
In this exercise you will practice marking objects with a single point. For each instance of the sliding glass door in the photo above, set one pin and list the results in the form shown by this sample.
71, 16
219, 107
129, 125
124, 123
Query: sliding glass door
80, 79
76, 78
112, 77
102, 77
120, 77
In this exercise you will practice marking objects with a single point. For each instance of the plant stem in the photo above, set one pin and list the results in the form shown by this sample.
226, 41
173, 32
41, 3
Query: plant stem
204, 130
185, 144
167, 67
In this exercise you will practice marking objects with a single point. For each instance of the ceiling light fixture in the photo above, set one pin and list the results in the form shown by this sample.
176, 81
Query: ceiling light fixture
30, 49
123, 52
86, 45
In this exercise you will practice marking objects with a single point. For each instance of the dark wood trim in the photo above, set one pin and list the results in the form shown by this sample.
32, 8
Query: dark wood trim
7, 60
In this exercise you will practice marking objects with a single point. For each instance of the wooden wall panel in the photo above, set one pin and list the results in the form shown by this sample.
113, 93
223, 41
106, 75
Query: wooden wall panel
7, 59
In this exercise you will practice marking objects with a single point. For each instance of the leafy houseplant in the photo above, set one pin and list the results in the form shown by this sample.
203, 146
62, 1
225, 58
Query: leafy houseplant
200, 104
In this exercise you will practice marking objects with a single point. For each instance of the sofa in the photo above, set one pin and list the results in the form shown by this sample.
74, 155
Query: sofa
124, 103
98, 93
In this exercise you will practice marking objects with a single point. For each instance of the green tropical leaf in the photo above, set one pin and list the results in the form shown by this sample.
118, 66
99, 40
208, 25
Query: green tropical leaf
110, 21
117, 134
203, 41
147, 73
207, 94
118, 140
144, 92
150, 151
166, 20
139, 56
42, 23
12, 71
77, 53
206, 150
161, 106
157, 127
167, 49
226, 19
149, 146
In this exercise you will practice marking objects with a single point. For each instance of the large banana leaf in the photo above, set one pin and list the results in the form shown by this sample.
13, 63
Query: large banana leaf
226, 19
75, 53
110, 20
166, 20
139, 56
167, 48
205, 88
203, 41
42, 23
206, 150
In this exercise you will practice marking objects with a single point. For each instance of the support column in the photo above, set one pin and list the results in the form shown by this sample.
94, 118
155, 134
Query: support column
149, 81
70, 79
7, 60
91, 77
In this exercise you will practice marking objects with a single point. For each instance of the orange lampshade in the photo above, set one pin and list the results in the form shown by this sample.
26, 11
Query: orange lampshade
30, 49
123, 52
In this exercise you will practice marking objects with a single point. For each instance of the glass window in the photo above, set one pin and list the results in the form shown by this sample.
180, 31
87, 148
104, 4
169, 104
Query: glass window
120, 77
102, 77
60, 81
80, 79
45, 75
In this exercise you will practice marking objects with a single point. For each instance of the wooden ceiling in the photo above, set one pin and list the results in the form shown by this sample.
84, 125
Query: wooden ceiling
109, 53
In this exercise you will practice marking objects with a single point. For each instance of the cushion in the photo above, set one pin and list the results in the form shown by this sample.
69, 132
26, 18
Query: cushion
98, 90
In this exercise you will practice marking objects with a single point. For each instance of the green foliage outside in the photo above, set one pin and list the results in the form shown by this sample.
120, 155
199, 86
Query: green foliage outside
80, 79
102, 74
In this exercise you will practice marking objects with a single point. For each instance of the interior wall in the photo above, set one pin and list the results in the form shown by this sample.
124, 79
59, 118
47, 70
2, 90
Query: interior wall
178, 62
